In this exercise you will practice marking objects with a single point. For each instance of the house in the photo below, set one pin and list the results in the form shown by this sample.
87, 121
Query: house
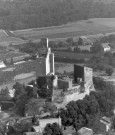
2, 65
85, 48
69, 130
32, 133
105, 124
43, 122
85, 131
106, 47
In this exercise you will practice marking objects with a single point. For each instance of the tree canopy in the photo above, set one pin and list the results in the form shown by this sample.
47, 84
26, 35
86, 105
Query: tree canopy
52, 129
22, 14
84, 112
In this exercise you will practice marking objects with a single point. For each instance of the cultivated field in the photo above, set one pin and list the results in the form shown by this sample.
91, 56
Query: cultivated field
6, 40
72, 55
84, 27
20, 71
8, 55
61, 67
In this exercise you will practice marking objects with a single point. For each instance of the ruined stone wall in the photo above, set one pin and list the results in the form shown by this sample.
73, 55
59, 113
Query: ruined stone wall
75, 96
88, 79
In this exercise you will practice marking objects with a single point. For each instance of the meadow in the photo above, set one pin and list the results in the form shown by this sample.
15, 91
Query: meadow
83, 27
73, 55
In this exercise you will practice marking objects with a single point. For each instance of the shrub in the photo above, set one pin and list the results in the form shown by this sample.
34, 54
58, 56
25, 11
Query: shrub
109, 71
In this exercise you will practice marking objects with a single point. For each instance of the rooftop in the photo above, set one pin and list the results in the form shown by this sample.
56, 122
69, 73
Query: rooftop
85, 131
105, 45
69, 131
3, 115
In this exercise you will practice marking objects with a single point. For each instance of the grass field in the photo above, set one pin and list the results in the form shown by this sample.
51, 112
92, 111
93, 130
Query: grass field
72, 54
84, 27
61, 67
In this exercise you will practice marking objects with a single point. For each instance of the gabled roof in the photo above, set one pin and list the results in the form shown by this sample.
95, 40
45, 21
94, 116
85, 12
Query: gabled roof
105, 120
85, 131
105, 45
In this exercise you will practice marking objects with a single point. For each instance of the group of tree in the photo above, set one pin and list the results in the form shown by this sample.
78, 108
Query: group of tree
28, 99
33, 48
84, 112
101, 63
101, 60
52, 129
22, 14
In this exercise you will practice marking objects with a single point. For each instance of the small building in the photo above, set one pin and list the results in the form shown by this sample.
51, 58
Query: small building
85, 131
105, 124
69, 130
85, 48
43, 122
106, 47
2, 65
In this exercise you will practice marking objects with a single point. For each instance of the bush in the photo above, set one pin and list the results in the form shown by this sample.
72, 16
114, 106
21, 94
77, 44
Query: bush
109, 71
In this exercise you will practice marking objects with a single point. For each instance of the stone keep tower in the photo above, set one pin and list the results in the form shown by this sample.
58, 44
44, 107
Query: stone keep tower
84, 76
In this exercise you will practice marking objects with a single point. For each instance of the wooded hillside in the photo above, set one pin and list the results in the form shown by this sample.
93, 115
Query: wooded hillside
23, 14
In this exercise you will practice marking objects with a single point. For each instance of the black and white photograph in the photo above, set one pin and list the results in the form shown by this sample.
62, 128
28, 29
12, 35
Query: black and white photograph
57, 67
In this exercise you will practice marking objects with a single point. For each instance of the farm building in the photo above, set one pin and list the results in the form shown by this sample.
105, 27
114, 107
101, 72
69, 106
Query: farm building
2, 65
43, 122
85, 131
106, 47
85, 48
105, 124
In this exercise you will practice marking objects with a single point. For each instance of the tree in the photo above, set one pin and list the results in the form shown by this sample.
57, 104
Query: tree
61, 44
53, 129
52, 44
43, 42
22, 127
97, 48
113, 123
21, 101
109, 71
35, 106
3, 129
12, 62
69, 41
50, 107
80, 41
19, 89
5, 91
